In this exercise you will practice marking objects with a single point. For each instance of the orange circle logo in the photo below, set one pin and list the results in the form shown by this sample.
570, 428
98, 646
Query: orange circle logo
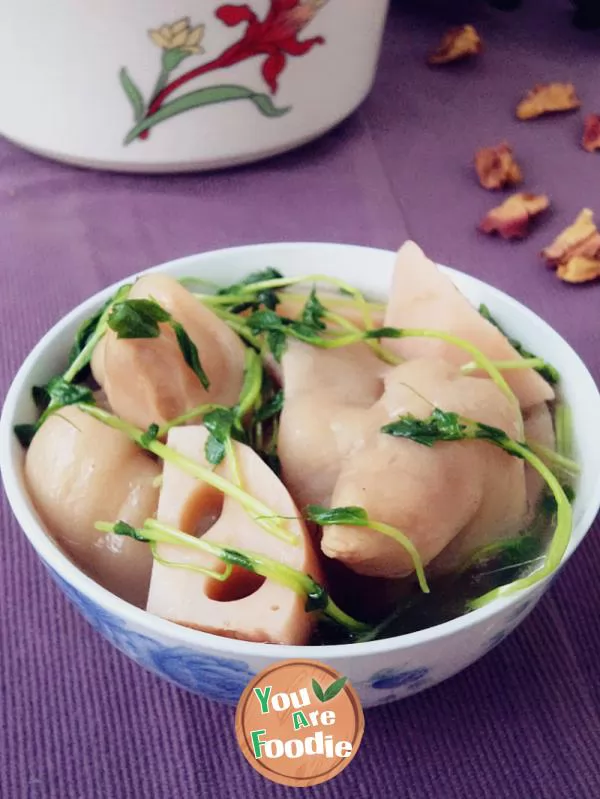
299, 723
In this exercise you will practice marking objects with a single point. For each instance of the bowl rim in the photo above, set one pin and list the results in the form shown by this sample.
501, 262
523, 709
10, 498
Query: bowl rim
57, 561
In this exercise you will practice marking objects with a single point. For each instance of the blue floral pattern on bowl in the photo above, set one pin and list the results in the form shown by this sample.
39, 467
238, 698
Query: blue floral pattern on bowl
496, 639
515, 618
388, 679
522, 610
221, 679
218, 678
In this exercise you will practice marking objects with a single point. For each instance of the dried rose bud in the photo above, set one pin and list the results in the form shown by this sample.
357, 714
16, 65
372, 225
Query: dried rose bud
591, 133
548, 99
511, 219
456, 44
580, 238
579, 269
496, 167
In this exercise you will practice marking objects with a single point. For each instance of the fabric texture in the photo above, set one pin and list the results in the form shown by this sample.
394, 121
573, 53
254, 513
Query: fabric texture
80, 721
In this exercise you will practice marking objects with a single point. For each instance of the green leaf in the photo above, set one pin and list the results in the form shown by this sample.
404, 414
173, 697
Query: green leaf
40, 396
219, 423
124, 529
549, 503
201, 97
62, 393
214, 450
265, 320
494, 434
269, 298
49, 399
141, 319
449, 426
277, 342
440, 426
328, 516
271, 408
137, 319
278, 328
303, 331
485, 312
235, 558
88, 335
547, 371
25, 433
150, 435
190, 353
570, 492
133, 94
314, 312
86, 329
335, 688
318, 691
384, 332
254, 277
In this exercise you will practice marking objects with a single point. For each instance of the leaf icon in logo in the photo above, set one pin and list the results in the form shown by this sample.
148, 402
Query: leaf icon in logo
318, 691
330, 693
335, 688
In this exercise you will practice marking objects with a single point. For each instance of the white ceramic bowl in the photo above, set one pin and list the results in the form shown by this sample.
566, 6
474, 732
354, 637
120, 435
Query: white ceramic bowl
219, 668
222, 86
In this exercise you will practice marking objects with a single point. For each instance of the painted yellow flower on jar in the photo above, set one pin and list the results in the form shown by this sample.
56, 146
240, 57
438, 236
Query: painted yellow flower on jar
179, 36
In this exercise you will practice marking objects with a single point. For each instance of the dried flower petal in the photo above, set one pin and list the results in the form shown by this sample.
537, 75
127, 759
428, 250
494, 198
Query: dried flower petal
548, 99
511, 219
457, 43
496, 167
591, 133
579, 269
576, 251
580, 238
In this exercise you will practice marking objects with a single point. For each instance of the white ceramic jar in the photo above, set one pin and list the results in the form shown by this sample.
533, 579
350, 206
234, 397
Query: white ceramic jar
218, 83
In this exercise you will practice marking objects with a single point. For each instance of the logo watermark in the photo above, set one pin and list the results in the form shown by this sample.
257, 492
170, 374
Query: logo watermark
299, 723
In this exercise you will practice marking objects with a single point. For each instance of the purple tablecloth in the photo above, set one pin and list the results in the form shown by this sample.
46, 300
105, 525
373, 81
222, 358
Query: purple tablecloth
77, 719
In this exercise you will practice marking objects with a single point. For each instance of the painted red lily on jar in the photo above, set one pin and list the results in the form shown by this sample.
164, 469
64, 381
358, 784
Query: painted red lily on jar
274, 38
